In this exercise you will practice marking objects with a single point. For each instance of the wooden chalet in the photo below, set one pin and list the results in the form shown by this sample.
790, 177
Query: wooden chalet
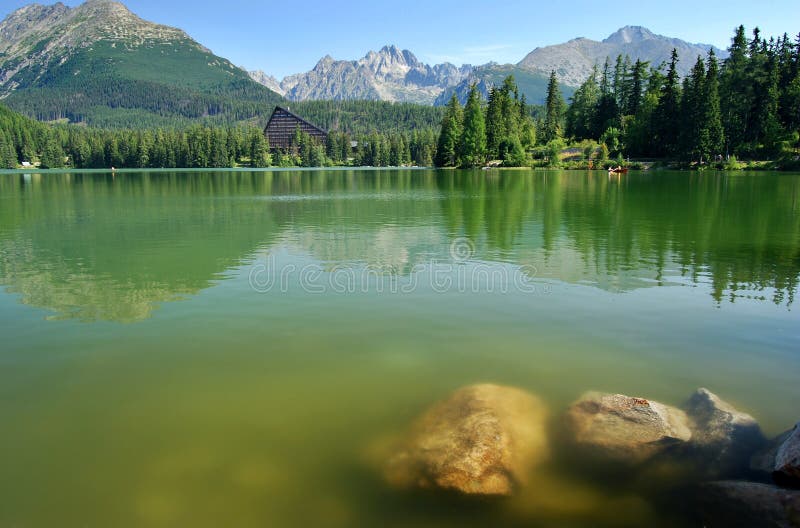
282, 126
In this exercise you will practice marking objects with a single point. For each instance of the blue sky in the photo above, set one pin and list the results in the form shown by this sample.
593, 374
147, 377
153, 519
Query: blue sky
282, 39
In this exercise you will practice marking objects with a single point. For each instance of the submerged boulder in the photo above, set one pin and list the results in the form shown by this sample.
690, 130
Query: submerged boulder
764, 460
787, 460
723, 438
729, 504
781, 458
625, 428
482, 440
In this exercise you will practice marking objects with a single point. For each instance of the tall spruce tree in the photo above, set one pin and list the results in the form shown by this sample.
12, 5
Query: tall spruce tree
769, 129
259, 149
53, 154
693, 111
511, 106
668, 111
606, 114
638, 78
554, 111
8, 156
473, 136
504, 118
450, 135
712, 134
641, 131
580, 113
736, 91
495, 124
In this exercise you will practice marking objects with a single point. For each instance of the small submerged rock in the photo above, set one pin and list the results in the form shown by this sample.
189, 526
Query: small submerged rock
787, 461
723, 438
626, 428
781, 458
764, 460
729, 504
482, 440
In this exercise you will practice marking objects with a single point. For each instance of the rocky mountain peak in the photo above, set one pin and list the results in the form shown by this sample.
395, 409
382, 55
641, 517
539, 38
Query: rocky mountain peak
389, 74
630, 34
390, 49
573, 61
28, 19
324, 63
105, 5
391, 56
264, 79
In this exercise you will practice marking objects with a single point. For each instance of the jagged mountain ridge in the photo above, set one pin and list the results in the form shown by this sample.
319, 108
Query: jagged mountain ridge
573, 61
264, 79
390, 74
395, 75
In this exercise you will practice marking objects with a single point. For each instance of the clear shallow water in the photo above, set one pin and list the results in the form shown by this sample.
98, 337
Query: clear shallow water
227, 348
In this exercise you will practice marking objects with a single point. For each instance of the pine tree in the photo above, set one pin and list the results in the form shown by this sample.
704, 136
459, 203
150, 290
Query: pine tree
769, 129
495, 124
712, 135
581, 113
473, 137
668, 111
606, 114
143, 151
554, 111
450, 135
8, 156
793, 104
259, 150
693, 111
515, 155
510, 106
619, 81
638, 78
52, 155
736, 91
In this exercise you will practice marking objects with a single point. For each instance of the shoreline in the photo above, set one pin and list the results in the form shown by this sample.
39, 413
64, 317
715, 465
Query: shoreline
660, 165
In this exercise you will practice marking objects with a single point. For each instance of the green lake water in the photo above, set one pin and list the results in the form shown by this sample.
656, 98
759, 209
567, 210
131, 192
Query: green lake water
204, 349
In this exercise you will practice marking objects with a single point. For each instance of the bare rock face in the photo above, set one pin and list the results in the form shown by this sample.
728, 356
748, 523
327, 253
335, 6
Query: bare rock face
386, 75
723, 437
787, 460
733, 504
573, 61
625, 428
482, 440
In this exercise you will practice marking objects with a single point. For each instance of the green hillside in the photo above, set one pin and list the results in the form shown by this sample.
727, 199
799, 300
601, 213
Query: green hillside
154, 85
101, 65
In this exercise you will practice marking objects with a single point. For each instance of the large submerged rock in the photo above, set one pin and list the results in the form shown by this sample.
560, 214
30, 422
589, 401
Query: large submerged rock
625, 428
733, 504
482, 440
723, 438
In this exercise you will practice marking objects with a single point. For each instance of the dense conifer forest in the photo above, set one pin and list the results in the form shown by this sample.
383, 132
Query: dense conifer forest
747, 106
56, 146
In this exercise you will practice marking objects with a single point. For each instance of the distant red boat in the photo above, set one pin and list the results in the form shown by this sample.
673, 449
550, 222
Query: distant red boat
619, 170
